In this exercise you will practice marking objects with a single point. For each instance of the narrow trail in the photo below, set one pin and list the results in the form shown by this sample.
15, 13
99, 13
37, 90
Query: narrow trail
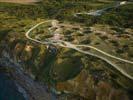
102, 11
66, 44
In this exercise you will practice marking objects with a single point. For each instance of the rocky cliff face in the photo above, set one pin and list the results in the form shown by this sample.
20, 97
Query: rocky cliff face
24, 78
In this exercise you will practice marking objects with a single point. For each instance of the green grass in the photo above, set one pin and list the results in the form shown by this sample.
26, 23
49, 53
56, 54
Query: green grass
67, 65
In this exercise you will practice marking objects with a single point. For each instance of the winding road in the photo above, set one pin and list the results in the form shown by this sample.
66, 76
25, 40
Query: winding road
112, 60
66, 44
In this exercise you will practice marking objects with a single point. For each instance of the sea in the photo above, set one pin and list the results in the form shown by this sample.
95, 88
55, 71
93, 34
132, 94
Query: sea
8, 89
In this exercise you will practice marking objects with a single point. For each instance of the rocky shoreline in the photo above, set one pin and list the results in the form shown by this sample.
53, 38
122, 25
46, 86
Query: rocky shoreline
30, 89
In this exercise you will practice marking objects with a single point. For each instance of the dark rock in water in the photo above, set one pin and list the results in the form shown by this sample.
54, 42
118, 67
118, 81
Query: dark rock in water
8, 89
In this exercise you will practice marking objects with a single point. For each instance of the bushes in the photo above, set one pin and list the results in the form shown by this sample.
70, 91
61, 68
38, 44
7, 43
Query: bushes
119, 18
64, 10
3, 33
23, 11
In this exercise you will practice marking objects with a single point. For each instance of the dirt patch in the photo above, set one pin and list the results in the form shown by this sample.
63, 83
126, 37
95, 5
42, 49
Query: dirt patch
20, 1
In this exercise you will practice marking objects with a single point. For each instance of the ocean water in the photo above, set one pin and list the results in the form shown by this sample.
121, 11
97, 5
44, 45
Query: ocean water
8, 89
